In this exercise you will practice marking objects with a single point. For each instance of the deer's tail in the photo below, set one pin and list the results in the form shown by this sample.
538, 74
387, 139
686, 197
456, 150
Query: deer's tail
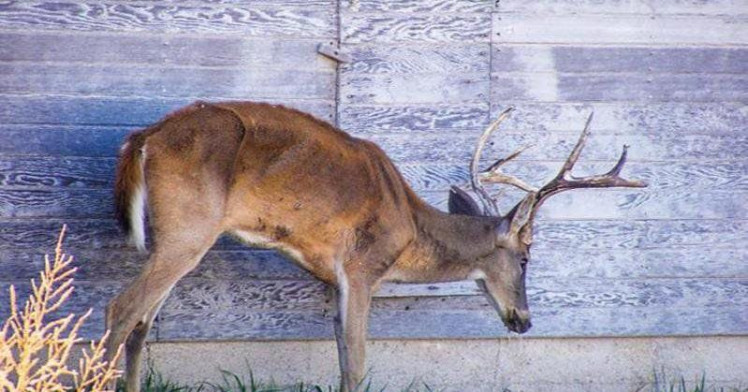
130, 189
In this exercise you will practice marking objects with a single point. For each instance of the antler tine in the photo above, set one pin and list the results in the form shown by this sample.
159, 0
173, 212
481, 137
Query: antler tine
489, 205
565, 181
493, 173
572, 159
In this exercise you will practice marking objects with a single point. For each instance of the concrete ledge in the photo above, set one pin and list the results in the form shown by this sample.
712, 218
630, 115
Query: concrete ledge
513, 364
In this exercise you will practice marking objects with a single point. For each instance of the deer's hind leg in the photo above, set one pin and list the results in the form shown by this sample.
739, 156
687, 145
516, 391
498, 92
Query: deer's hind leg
183, 231
130, 315
136, 343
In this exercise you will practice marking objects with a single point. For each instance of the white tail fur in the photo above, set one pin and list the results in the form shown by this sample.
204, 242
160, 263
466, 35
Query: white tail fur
137, 208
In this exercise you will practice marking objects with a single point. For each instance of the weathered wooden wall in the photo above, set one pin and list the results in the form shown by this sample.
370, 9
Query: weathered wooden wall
669, 78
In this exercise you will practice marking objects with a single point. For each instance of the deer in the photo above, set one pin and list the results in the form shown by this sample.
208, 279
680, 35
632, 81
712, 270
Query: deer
336, 205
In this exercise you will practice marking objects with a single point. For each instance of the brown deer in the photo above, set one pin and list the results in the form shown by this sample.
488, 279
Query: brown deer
278, 178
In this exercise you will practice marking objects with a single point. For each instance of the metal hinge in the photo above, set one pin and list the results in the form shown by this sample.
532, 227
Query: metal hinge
332, 50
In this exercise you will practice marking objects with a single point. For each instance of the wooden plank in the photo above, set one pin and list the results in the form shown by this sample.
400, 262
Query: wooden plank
172, 18
119, 111
125, 265
645, 234
610, 117
400, 324
556, 146
406, 118
86, 296
423, 319
459, 28
573, 293
663, 176
662, 7
254, 325
620, 29
56, 172
132, 81
21, 203
618, 87
418, 88
579, 322
249, 295
414, 58
95, 261
585, 59
432, 6
54, 140
165, 50
580, 204
266, 3
651, 118
78, 173
686, 234
629, 205
685, 262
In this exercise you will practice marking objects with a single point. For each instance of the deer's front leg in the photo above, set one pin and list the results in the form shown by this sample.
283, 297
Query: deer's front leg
354, 299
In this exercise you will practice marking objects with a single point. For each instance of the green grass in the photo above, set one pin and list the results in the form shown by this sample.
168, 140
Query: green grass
661, 382
230, 382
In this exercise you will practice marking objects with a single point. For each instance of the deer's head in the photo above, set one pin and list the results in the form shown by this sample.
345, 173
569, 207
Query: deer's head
502, 277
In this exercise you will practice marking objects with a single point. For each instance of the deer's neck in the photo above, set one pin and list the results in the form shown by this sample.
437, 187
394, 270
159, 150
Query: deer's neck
446, 247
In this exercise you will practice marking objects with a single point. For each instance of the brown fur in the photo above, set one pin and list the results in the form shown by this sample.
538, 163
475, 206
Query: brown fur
335, 202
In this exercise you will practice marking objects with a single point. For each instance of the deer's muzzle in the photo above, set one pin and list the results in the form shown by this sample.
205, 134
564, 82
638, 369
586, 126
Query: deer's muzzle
518, 321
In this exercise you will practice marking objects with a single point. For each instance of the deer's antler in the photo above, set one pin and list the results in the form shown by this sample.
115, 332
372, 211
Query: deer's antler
565, 181
493, 174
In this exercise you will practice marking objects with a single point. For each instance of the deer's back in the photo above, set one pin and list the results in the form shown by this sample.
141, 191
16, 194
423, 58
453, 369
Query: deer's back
287, 177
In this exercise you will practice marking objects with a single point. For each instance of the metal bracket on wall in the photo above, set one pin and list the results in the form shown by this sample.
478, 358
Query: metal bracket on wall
332, 50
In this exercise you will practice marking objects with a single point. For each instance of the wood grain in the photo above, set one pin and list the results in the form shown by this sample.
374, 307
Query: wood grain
83, 172
645, 60
618, 87
417, 88
547, 263
131, 81
581, 204
25, 203
40, 172
616, 321
651, 118
423, 319
665, 177
688, 235
555, 146
134, 112
124, 264
172, 18
407, 118
428, 6
61, 140
662, 7
86, 296
458, 28
160, 49
248, 295
409, 58
619, 29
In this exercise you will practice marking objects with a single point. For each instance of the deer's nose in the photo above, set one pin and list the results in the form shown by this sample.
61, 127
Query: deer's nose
518, 321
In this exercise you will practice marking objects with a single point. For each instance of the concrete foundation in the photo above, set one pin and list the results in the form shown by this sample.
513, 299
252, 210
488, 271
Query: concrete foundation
513, 364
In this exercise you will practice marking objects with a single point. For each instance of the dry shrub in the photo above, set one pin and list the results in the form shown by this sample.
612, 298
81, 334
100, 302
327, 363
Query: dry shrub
35, 347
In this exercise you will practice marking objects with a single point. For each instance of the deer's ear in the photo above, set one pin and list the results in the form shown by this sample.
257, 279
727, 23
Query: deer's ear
525, 234
518, 218
461, 203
